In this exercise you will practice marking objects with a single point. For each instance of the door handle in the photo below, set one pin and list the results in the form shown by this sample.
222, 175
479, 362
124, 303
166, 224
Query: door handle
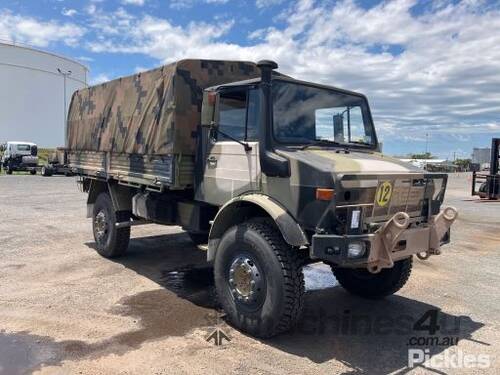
212, 162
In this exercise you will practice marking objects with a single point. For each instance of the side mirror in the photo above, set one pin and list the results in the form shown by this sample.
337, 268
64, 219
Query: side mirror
338, 128
208, 109
209, 125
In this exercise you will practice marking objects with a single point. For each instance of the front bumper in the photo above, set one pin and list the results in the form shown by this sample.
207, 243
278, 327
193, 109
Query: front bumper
23, 167
17, 165
392, 242
27, 167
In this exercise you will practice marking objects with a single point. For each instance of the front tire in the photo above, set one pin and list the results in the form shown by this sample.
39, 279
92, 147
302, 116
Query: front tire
33, 172
259, 280
374, 285
111, 242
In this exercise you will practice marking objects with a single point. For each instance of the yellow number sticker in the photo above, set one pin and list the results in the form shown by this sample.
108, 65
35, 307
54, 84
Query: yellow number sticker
384, 192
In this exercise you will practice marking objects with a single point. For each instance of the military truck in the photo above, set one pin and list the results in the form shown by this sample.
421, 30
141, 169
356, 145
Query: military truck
19, 156
57, 164
270, 172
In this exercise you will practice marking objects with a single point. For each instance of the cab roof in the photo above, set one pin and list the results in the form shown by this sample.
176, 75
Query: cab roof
283, 77
21, 143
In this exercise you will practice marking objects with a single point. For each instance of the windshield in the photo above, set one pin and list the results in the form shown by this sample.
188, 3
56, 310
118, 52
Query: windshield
23, 148
306, 114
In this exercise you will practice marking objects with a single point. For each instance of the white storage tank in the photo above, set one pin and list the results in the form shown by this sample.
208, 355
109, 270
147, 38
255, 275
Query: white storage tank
35, 88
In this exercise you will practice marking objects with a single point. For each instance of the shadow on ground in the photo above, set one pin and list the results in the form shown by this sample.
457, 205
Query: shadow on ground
367, 336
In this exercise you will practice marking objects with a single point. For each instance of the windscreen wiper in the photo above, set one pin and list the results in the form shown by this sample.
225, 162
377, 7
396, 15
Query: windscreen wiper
323, 142
361, 143
245, 145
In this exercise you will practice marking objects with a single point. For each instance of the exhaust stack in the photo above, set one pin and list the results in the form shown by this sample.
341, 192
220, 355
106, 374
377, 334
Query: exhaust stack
266, 68
271, 164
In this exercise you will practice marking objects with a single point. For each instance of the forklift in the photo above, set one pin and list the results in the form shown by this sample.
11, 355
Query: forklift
489, 182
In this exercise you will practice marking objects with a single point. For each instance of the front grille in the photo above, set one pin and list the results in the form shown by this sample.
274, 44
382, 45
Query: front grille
409, 193
406, 197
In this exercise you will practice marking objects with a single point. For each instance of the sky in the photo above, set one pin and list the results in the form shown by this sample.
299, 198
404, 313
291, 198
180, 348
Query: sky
430, 69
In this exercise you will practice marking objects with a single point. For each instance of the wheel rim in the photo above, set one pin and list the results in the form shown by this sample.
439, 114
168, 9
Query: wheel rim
424, 255
246, 281
101, 228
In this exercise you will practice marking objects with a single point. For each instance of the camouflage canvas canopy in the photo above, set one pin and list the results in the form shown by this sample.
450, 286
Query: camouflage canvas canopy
150, 113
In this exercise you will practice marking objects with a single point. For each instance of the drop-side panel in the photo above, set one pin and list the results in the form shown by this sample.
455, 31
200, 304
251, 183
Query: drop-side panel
170, 171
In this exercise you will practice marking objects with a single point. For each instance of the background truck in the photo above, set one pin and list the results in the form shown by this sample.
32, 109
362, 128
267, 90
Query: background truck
271, 172
19, 156
57, 163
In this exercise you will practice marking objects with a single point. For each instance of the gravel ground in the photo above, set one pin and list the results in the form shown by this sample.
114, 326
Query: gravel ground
65, 310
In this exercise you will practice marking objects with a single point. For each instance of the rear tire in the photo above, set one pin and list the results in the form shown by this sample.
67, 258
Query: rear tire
110, 241
46, 171
8, 170
374, 285
259, 280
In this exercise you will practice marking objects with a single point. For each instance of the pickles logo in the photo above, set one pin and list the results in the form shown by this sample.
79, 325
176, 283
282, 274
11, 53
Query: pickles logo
384, 193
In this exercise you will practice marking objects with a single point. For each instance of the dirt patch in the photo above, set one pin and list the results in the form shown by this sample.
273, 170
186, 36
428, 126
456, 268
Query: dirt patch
158, 313
14, 266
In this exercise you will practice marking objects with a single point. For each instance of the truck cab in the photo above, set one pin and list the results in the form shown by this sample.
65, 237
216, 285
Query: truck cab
304, 160
313, 151
20, 156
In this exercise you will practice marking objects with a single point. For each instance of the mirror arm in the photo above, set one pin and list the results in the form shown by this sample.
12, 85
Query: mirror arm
245, 145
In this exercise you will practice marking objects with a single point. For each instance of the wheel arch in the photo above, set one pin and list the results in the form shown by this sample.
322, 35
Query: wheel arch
121, 196
241, 208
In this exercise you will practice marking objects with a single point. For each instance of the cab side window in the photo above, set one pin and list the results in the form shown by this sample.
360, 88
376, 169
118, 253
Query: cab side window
237, 115
233, 114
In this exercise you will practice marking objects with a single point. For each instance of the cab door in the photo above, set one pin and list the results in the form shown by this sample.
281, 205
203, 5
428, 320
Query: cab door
230, 170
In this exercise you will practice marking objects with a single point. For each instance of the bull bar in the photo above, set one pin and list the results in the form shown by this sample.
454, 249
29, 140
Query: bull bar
393, 241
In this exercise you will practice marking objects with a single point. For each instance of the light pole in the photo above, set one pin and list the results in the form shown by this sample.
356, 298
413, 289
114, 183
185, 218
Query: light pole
65, 74
426, 143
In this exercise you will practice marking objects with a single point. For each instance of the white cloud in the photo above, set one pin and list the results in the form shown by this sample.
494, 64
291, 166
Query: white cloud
152, 36
140, 69
134, 2
85, 58
91, 9
433, 71
100, 78
69, 12
38, 33
186, 4
267, 3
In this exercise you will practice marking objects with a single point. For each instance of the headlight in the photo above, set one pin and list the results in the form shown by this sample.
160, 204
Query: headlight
356, 249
